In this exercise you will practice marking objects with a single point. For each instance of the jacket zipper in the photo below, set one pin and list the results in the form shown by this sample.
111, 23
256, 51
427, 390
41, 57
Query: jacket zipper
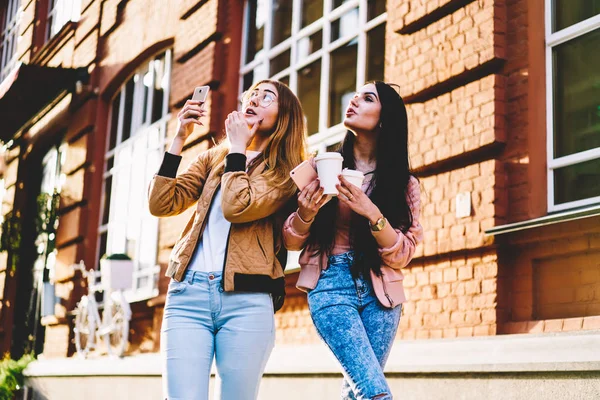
386, 293
225, 259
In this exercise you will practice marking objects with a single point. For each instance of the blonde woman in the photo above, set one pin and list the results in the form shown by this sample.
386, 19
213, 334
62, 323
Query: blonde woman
226, 279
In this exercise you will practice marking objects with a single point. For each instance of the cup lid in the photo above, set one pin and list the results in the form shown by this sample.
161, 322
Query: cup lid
352, 172
330, 155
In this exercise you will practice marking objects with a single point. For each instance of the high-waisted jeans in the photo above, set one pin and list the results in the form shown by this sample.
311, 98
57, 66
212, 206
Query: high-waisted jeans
356, 327
202, 322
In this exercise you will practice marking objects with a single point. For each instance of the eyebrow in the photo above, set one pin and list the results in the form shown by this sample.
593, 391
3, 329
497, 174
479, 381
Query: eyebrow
372, 93
266, 90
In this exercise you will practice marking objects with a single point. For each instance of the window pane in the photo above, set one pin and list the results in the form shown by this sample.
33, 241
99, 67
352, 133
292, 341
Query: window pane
247, 81
146, 86
343, 81
376, 53
149, 241
333, 147
309, 44
577, 95
257, 15
577, 182
110, 163
102, 249
128, 110
282, 21
347, 24
259, 73
137, 117
114, 123
309, 83
570, 12
161, 80
312, 10
375, 8
107, 194
285, 80
337, 3
280, 62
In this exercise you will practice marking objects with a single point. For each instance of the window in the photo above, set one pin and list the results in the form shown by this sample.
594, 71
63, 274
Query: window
323, 49
135, 146
573, 81
9, 16
59, 13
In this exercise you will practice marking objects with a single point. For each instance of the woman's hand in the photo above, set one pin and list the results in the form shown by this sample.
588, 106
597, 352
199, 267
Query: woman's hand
189, 115
238, 132
310, 200
357, 200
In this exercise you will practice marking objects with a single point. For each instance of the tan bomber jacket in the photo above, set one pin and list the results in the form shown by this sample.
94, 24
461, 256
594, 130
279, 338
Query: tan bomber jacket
254, 205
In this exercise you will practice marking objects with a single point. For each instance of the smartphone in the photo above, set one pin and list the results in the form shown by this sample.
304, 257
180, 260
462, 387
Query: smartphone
303, 174
200, 93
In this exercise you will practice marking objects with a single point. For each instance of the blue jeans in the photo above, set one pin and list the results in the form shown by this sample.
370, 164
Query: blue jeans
201, 322
356, 327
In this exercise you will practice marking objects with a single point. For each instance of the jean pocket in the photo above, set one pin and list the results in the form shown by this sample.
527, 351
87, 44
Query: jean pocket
176, 287
326, 271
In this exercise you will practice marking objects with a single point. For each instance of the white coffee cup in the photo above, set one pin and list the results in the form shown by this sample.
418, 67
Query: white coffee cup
329, 167
354, 177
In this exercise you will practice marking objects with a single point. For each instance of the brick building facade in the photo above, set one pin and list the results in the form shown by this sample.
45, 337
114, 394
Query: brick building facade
504, 136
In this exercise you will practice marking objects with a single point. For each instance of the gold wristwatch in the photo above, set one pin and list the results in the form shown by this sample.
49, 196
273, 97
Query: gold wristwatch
378, 225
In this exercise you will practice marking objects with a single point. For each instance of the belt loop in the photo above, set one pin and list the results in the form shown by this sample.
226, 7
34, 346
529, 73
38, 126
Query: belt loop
191, 277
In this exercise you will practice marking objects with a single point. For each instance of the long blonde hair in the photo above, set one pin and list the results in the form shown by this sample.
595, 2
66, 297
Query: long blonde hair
286, 147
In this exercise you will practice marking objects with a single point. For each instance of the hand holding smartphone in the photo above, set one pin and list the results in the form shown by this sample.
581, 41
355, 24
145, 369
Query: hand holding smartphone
303, 174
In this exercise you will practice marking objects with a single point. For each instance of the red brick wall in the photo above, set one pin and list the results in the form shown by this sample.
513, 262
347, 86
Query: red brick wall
446, 48
466, 119
553, 280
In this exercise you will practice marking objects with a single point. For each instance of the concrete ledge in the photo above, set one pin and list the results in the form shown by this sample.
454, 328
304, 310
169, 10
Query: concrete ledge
509, 353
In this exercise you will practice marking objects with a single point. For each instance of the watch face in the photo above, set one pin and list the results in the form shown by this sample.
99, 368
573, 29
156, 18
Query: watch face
379, 224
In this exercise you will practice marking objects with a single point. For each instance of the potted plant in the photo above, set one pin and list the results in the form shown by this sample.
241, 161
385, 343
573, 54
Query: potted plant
116, 271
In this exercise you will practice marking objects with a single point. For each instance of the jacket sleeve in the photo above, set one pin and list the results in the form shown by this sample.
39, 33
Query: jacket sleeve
171, 194
248, 198
295, 232
399, 255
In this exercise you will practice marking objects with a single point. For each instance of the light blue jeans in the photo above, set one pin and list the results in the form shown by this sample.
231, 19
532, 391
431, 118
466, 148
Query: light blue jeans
201, 322
356, 327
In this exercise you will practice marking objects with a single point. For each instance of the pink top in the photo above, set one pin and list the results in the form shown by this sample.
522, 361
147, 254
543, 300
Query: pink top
341, 243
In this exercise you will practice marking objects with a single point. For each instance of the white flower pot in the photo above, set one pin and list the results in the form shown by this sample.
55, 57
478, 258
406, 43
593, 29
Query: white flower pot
117, 274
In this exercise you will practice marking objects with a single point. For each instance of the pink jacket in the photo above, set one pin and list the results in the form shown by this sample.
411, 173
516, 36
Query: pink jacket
388, 288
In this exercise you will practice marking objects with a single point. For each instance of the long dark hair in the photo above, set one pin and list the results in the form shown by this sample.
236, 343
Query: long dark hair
387, 188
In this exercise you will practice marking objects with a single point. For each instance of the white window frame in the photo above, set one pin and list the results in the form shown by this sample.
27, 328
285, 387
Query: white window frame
554, 39
60, 13
326, 136
142, 135
10, 37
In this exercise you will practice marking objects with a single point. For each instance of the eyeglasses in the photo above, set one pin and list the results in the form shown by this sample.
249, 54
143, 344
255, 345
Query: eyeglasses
264, 99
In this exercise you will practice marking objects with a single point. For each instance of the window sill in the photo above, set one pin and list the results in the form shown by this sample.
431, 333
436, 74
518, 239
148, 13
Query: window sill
47, 51
563, 216
52, 320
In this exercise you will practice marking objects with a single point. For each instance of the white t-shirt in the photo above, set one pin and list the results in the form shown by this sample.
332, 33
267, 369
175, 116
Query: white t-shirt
209, 255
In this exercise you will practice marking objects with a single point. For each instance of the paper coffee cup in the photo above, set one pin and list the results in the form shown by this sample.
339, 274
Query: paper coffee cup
354, 177
329, 167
